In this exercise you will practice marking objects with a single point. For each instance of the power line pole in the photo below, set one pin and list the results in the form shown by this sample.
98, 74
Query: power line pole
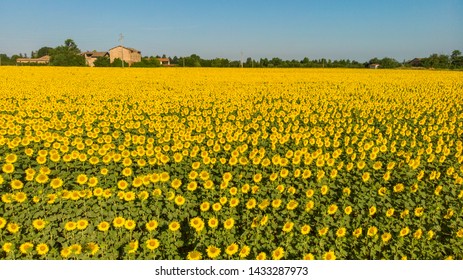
121, 38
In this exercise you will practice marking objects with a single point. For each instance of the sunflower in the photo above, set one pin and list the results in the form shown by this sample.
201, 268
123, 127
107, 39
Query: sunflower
404, 231
92, 181
213, 252
164, 177
2, 222
176, 183
82, 224
288, 226
143, 195
179, 200
194, 255
103, 226
278, 253
372, 210
38, 224
309, 193
233, 190
329, 256
65, 252
151, 225
305, 229
41, 178
309, 257
197, 223
231, 249
56, 183
460, 233
229, 223
137, 182
69, 226
8, 168
213, 222
419, 211
11, 158
332, 209
264, 220
26, 248
174, 226
16, 184
348, 210
227, 176
276, 203
324, 189
129, 196
386, 237
152, 244
42, 249
98, 192
390, 212
12, 228
118, 222
418, 233
357, 232
122, 184
20, 197
244, 252
292, 204
261, 256
82, 179
372, 231
399, 187
7, 247
130, 224
366, 177
132, 247
323, 231
251, 204
92, 248
341, 232
192, 186
204, 206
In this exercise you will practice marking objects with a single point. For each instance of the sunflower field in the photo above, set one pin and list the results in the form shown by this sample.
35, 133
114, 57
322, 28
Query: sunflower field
230, 164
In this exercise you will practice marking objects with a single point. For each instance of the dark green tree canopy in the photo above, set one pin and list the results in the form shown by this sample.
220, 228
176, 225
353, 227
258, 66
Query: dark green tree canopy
67, 55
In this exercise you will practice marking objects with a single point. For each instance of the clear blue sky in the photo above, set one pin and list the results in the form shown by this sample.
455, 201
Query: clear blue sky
354, 29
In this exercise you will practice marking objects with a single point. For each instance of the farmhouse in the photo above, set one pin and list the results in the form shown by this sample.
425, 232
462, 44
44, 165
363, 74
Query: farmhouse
128, 55
90, 57
41, 60
374, 66
164, 61
416, 62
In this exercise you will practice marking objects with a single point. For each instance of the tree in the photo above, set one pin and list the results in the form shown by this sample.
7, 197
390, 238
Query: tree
456, 59
117, 62
67, 55
43, 51
102, 61
388, 62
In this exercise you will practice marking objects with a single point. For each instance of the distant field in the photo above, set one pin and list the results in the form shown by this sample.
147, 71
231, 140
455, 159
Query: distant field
186, 163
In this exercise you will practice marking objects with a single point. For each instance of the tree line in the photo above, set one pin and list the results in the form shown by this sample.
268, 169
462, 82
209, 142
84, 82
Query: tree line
69, 54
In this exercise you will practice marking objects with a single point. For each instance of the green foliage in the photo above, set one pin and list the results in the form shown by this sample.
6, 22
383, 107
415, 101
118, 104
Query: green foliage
43, 51
117, 62
147, 62
67, 55
102, 61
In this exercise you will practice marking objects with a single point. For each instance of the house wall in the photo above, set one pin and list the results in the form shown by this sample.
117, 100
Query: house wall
125, 54
90, 61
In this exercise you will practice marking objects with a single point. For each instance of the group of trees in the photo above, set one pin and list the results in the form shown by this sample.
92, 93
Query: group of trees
70, 55
442, 61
